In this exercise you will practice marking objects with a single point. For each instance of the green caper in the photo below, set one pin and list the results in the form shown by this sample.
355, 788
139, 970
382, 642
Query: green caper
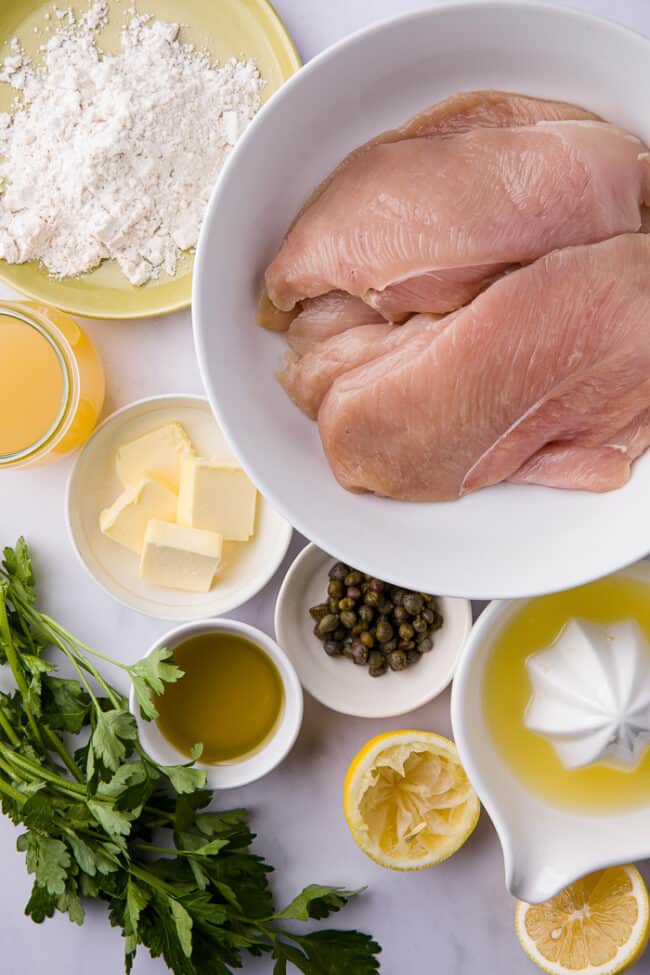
377, 664
413, 603
406, 631
359, 653
366, 614
353, 578
397, 660
335, 588
419, 624
374, 622
328, 624
333, 648
339, 571
384, 631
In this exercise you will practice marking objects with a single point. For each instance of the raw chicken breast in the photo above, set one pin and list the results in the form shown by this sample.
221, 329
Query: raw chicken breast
595, 468
454, 211
555, 355
320, 318
459, 113
464, 111
306, 379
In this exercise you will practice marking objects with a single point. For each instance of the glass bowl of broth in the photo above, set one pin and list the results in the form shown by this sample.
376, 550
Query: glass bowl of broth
239, 697
51, 384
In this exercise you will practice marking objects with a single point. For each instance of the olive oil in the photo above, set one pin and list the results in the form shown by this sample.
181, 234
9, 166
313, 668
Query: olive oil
230, 699
507, 691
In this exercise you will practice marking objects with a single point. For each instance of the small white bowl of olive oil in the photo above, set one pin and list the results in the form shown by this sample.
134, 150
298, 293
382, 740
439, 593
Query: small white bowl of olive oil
240, 697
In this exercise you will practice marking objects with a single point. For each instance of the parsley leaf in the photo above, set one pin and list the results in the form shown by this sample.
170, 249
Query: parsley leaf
41, 904
316, 902
18, 565
137, 899
47, 858
114, 822
113, 729
65, 704
149, 677
333, 952
184, 778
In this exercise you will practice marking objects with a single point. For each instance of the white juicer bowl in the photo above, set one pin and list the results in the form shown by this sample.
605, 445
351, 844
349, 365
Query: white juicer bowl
545, 847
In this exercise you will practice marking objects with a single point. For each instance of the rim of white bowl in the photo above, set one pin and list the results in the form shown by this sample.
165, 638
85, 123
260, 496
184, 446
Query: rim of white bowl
201, 264
248, 593
234, 774
429, 693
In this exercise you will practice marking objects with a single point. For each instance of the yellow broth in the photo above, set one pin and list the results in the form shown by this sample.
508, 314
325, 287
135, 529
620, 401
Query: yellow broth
230, 698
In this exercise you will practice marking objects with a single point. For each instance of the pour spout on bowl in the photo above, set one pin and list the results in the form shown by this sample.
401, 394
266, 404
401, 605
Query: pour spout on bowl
531, 875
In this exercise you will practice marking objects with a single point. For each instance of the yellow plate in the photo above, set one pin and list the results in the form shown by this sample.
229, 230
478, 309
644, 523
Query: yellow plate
228, 28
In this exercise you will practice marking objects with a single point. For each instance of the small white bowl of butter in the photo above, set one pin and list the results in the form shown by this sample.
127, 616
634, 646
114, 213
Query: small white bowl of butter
164, 519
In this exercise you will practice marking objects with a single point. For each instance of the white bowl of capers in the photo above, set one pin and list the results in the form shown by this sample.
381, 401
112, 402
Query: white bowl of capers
364, 647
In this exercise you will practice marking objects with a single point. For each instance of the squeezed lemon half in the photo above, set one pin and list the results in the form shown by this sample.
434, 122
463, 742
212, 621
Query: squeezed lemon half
597, 926
408, 801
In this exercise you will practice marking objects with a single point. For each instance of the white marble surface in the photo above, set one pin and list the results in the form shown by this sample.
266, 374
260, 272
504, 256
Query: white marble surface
454, 920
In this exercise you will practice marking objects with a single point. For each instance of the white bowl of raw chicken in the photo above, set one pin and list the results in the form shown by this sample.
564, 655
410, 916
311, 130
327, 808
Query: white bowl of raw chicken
509, 540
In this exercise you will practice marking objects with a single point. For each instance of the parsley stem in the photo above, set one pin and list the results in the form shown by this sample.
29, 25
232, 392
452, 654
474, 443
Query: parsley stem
14, 663
63, 753
36, 771
8, 730
79, 643
167, 851
68, 643
15, 774
11, 793
82, 677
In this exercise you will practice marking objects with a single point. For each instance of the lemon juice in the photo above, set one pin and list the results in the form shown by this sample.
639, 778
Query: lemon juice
507, 690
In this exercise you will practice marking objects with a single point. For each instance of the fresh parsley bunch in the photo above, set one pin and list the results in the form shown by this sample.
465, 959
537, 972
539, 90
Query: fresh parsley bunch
104, 821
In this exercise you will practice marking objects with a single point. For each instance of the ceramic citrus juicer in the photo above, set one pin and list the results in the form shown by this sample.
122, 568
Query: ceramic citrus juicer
589, 700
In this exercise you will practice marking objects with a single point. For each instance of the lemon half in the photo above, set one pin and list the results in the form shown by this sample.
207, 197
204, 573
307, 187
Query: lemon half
597, 926
408, 801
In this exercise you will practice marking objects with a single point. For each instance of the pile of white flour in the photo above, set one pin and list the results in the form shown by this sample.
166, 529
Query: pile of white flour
114, 156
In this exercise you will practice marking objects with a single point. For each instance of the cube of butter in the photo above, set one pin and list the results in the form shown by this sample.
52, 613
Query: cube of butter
218, 497
156, 454
178, 557
126, 519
